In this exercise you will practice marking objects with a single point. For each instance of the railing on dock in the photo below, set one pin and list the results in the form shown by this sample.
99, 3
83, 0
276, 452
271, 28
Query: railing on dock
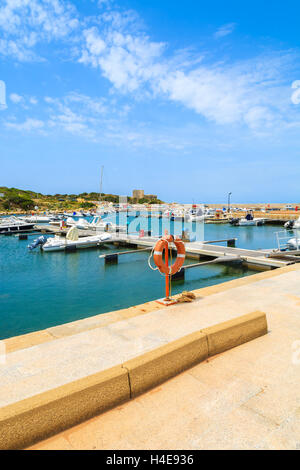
282, 238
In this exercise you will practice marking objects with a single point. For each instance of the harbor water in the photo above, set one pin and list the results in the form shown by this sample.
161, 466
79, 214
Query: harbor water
39, 290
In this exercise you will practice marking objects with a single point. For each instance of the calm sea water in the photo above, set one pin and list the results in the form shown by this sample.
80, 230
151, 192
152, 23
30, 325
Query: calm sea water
39, 290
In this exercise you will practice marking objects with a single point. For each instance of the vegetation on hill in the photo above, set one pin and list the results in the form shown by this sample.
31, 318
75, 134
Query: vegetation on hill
12, 198
18, 200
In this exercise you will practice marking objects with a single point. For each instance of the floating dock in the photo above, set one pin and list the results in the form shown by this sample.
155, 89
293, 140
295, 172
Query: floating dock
200, 251
255, 259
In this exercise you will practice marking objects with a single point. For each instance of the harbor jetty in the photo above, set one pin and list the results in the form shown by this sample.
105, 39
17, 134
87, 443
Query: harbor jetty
235, 348
256, 259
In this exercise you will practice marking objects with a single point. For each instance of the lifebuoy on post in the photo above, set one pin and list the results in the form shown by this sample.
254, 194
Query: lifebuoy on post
163, 244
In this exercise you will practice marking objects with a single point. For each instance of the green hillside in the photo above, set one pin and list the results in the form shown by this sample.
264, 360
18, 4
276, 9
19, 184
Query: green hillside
14, 199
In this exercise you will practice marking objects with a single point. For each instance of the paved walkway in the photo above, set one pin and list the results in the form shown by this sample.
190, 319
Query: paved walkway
245, 398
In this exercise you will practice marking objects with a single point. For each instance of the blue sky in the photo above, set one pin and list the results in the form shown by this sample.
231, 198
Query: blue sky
188, 100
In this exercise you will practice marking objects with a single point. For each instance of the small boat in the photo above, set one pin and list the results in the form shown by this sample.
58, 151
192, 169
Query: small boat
36, 219
85, 214
254, 221
196, 215
100, 225
293, 244
291, 224
72, 241
82, 224
14, 224
70, 222
249, 220
56, 219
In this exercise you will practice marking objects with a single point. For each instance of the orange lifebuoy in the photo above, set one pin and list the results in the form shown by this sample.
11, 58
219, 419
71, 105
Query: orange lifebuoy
163, 244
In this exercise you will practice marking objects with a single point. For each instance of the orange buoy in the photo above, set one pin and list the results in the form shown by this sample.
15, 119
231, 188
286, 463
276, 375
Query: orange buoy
163, 244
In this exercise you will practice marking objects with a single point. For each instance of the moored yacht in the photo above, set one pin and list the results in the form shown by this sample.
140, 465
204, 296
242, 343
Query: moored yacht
70, 242
14, 224
37, 219
248, 220
292, 224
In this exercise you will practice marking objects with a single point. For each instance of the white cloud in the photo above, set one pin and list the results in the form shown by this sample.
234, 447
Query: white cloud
250, 92
28, 125
15, 98
23, 100
26, 23
98, 120
228, 94
78, 114
127, 60
240, 92
243, 91
104, 3
224, 30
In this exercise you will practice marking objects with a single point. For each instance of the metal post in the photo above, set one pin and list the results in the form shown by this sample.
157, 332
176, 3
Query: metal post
228, 209
160, 223
149, 219
167, 275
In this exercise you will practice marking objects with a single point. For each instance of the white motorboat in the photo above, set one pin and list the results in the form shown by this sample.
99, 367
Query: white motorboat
71, 214
200, 215
70, 222
85, 213
72, 241
56, 219
293, 244
97, 223
249, 220
291, 224
196, 215
36, 219
82, 224
14, 224
254, 221
100, 225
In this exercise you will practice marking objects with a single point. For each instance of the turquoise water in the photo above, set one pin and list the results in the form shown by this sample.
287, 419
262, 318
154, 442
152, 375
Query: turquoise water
39, 290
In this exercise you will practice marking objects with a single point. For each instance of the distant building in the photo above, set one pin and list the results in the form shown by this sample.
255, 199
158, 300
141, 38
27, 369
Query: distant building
138, 193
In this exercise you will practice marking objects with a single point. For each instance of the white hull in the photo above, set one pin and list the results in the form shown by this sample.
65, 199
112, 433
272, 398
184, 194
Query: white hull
245, 222
76, 245
293, 244
62, 244
14, 224
37, 219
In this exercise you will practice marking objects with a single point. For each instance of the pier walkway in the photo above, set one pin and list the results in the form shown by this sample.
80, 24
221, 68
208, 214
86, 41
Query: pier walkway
256, 259
245, 398
260, 259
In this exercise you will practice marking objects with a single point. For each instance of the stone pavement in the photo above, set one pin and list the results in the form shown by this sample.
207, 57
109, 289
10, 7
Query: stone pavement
245, 398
